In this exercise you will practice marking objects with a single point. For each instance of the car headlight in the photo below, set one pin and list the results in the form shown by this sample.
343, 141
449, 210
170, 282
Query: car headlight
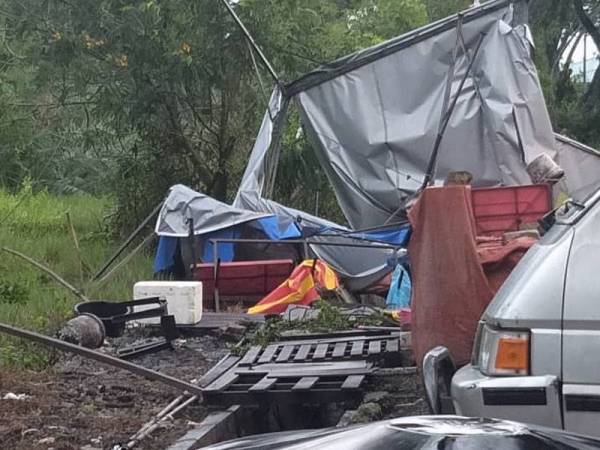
502, 352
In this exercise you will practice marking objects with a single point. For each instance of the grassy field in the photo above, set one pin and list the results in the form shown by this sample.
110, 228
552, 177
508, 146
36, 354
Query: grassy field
37, 225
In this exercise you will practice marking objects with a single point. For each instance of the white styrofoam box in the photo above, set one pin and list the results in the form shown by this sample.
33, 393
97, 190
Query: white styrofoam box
184, 299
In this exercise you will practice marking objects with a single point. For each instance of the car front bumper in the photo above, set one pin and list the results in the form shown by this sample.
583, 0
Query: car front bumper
530, 399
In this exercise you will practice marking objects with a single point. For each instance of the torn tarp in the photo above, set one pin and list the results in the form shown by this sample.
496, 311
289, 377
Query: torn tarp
581, 165
217, 220
373, 117
208, 214
374, 127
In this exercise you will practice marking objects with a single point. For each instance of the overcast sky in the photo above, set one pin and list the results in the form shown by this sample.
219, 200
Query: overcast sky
592, 51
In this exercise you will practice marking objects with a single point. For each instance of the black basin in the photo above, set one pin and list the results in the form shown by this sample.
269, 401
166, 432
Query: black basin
114, 315
105, 311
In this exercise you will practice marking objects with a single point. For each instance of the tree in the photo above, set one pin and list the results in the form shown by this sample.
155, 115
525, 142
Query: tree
438, 9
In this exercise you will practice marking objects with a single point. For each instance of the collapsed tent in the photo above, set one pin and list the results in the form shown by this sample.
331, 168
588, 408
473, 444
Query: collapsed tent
189, 222
374, 117
460, 94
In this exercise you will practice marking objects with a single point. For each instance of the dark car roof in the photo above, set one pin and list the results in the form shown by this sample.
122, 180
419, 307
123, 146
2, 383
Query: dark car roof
419, 433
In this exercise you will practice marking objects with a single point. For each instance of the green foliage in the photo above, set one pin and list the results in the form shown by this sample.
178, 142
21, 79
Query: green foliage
35, 224
571, 103
329, 319
438, 9
130, 98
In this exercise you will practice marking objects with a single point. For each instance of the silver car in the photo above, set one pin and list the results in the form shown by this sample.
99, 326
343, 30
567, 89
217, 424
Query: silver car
536, 357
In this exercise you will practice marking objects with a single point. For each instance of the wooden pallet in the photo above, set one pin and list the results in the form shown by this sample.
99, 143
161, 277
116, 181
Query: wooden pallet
301, 371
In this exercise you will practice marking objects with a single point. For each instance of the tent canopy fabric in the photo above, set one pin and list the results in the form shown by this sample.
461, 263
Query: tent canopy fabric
208, 214
216, 220
373, 117
581, 165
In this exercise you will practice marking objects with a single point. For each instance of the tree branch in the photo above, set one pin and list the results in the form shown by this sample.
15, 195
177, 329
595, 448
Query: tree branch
587, 22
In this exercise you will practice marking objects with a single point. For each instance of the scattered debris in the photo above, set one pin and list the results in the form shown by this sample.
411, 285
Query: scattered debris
12, 396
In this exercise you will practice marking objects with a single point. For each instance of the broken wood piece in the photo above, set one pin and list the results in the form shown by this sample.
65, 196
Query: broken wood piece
353, 382
303, 352
264, 384
285, 353
250, 356
339, 350
305, 383
321, 351
268, 354
357, 348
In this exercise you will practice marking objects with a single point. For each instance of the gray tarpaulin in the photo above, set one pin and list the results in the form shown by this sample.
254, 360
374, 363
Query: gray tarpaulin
581, 165
254, 176
374, 126
208, 214
249, 196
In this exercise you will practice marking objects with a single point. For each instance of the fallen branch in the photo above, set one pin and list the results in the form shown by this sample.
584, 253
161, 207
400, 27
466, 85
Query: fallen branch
47, 270
166, 414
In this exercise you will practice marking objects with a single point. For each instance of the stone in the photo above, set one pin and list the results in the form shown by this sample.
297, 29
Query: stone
376, 397
367, 412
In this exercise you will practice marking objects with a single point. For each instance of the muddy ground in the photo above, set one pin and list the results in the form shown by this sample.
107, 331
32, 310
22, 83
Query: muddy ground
81, 404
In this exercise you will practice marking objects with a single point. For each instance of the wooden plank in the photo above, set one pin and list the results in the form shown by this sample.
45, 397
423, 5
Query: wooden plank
285, 353
374, 347
357, 348
268, 354
352, 382
363, 337
264, 384
223, 382
303, 352
305, 383
250, 356
339, 350
320, 351
332, 369
317, 396
335, 335
392, 345
219, 369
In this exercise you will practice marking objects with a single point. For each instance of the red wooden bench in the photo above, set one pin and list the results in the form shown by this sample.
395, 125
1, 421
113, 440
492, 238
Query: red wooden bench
243, 281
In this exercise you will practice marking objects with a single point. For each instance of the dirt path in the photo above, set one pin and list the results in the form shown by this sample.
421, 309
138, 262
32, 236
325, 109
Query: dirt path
82, 404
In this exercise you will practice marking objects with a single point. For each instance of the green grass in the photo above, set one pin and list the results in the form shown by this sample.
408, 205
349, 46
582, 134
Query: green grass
37, 225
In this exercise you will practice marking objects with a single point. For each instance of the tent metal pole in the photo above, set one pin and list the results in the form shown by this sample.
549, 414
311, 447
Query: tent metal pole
103, 358
272, 161
192, 242
216, 266
128, 241
254, 45
446, 120
308, 242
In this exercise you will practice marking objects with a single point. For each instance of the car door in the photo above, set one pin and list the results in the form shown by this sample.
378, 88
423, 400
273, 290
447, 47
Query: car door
581, 329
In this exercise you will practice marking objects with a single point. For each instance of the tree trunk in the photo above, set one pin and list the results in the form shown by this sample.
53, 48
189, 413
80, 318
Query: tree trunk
593, 90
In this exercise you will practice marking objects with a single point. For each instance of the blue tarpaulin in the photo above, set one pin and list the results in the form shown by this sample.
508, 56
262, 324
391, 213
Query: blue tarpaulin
165, 253
400, 289
278, 228
226, 249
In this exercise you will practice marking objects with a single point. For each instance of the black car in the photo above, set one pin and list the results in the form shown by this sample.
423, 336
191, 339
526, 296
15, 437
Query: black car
422, 433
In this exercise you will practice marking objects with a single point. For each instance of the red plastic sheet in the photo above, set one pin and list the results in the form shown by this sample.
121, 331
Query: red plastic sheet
453, 279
